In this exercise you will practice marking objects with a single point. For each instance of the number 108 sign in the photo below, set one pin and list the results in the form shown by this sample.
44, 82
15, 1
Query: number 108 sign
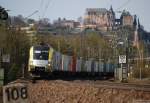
15, 93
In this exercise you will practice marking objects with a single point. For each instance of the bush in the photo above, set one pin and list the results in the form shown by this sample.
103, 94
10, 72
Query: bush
145, 72
14, 72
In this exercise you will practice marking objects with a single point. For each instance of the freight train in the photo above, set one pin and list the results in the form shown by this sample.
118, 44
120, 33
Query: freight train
44, 61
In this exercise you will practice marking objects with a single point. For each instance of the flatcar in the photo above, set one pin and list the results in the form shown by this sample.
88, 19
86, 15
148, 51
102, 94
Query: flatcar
40, 60
74, 65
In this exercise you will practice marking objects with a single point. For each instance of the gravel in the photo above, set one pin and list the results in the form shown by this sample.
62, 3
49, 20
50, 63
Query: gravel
58, 91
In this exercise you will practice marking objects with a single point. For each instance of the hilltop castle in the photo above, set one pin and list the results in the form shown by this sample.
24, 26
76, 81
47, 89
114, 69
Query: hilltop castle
103, 19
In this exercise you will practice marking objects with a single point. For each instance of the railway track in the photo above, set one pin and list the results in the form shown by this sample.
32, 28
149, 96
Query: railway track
102, 84
144, 87
93, 82
116, 85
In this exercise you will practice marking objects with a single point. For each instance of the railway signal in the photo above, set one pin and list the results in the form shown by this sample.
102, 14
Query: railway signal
122, 59
3, 14
123, 69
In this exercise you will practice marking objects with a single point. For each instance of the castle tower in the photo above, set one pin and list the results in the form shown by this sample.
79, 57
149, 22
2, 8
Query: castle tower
139, 25
111, 18
126, 19
135, 22
111, 10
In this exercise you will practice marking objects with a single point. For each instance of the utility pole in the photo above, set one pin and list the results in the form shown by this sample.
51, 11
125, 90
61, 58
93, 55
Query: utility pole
58, 45
127, 51
139, 51
0, 58
141, 63
81, 45
3, 17
23, 71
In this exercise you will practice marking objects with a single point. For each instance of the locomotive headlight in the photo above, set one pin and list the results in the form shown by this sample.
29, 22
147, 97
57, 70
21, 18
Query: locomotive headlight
49, 63
48, 67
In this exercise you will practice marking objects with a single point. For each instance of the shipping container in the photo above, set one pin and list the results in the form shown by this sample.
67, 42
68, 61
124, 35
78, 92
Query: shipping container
107, 67
85, 66
93, 66
89, 62
57, 61
66, 63
100, 66
78, 65
62, 63
82, 65
96, 66
73, 63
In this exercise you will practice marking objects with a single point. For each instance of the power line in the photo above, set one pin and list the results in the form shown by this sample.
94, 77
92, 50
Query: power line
46, 7
32, 14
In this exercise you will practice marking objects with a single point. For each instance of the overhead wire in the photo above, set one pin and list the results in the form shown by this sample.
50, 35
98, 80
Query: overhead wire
46, 7
36, 11
32, 14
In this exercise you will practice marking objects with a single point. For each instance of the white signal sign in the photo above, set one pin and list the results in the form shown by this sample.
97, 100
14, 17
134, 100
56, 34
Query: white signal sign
122, 59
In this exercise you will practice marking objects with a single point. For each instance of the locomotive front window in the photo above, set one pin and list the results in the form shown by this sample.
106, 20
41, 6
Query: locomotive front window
40, 53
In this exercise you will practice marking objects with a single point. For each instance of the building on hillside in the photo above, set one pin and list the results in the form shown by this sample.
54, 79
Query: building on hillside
30, 29
126, 19
44, 30
141, 36
99, 18
65, 23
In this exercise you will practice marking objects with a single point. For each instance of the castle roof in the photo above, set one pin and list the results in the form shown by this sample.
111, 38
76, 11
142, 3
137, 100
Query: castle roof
97, 10
125, 13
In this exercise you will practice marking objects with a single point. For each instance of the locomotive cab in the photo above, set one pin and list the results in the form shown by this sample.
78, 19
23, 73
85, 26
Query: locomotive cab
40, 60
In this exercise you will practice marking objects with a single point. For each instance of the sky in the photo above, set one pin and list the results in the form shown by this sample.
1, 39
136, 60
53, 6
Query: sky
72, 9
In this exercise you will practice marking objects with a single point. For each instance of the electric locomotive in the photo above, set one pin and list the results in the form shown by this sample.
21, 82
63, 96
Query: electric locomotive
40, 60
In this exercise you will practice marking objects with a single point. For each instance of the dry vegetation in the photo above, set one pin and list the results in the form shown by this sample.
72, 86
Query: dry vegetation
68, 92
1, 94
90, 45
